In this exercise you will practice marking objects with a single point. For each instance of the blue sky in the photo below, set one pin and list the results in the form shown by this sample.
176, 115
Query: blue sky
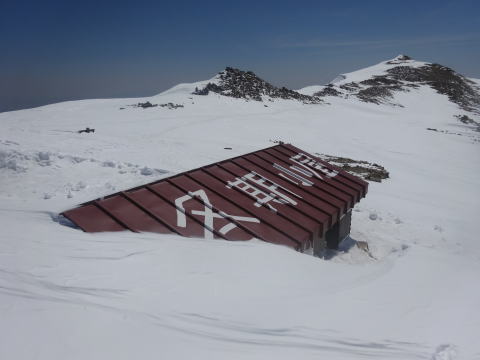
62, 50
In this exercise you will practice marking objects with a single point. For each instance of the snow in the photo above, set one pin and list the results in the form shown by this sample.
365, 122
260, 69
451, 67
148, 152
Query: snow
310, 90
477, 81
378, 69
68, 294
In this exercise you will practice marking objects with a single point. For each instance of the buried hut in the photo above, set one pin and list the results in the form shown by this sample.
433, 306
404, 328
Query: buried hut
281, 195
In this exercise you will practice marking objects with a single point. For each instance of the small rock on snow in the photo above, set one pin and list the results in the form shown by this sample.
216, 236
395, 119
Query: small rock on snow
108, 164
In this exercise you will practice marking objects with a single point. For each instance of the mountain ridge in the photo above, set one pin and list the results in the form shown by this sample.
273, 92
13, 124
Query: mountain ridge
237, 83
377, 84
402, 74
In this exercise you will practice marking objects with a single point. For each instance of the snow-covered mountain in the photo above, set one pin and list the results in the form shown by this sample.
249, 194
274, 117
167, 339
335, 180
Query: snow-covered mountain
69, 294
378, 84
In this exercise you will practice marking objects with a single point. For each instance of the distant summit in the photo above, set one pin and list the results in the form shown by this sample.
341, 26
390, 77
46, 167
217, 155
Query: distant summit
378, 83
400, 59
246, 85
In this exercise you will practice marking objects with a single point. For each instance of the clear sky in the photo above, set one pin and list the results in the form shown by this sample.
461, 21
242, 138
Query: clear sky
53, 51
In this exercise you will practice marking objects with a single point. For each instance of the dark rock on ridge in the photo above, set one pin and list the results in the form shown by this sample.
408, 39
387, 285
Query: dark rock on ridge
329, 90
445, 81
465, 119
246, 85
380, 88
148, 104
364, 169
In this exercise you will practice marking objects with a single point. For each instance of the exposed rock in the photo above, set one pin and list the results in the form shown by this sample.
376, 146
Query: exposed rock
145, 105
148, 104
445, 81
329, 90
171, 105
246, 85
400, 59
380, 81
351, 86
381, 88
374, 94
281, 142
364, 169
465, 119
86, 130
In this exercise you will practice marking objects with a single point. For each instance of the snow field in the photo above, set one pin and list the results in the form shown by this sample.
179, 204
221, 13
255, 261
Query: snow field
68, 294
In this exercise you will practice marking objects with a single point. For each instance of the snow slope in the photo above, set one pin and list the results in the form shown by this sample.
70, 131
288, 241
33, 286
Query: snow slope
378, 69
68, 294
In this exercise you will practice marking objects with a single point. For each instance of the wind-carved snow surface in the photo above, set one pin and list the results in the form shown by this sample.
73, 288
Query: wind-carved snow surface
65, 294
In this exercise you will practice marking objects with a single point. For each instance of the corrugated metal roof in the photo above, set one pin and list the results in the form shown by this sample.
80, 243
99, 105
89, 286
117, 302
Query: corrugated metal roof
281, 195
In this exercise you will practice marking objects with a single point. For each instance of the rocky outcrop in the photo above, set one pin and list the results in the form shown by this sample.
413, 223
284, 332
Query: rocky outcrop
381, 88
246, 85
328, 90
148, 104
444, 80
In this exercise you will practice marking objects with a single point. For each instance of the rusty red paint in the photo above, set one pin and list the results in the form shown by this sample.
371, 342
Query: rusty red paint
280, 194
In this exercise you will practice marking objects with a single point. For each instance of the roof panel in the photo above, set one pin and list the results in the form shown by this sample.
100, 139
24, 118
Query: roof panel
280, 194
318, 193
321, 212
91, 218
301, 162
303, 179
132, 216
343, 174
285, 231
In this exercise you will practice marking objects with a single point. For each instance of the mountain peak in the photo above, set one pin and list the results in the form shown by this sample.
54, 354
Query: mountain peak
237, 83
378, 84
403, 57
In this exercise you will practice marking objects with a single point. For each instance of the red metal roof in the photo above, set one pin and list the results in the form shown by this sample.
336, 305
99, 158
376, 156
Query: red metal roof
281, 195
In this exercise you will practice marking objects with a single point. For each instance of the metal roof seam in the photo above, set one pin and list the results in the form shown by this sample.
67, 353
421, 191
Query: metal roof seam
278, 213
332, 221
340, 208
330, 188
190, 216
341, 185
280, 194
148, 212
221, 213
252, 213
176, 207
363, 184
115, 218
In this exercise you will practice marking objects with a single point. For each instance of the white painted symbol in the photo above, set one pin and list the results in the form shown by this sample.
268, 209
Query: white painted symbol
305, 169
303, 181
273, 191
308, 163
208, 214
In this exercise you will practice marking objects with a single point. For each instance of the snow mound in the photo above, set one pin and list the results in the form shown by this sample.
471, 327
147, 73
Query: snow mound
17, 165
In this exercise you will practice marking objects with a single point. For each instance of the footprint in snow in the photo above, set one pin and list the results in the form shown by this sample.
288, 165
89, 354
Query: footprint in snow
445, 352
